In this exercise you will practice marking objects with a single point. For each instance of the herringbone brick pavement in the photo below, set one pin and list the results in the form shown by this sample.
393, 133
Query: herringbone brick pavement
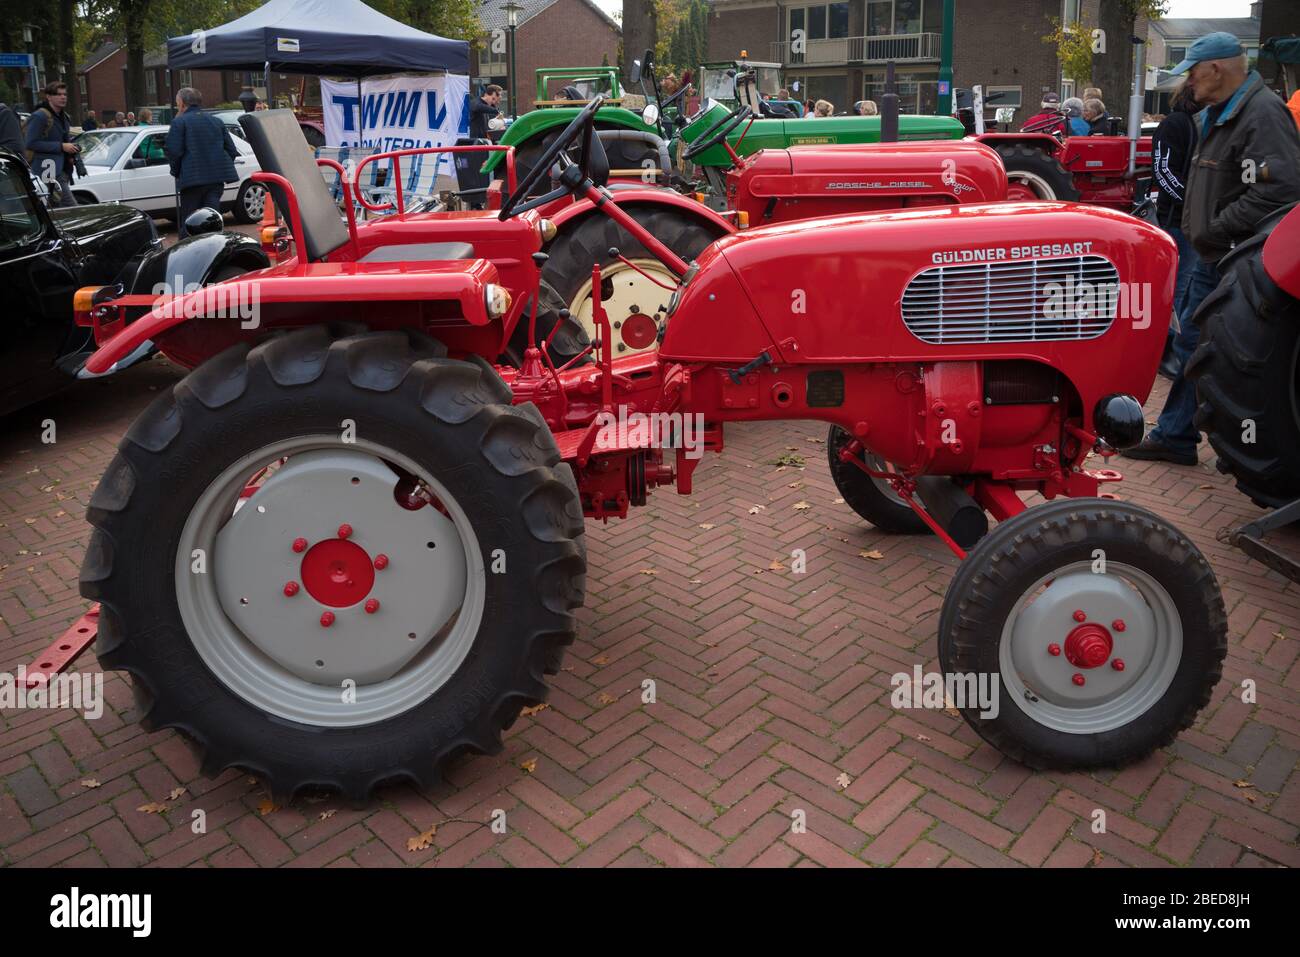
772, 697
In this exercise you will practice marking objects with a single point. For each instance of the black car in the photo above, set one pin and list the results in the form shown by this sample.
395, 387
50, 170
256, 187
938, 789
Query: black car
46, 255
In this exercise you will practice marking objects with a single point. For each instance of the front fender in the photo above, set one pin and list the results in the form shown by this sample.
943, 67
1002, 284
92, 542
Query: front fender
196, 261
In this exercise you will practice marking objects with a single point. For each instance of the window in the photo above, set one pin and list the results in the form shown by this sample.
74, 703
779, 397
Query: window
151, 83
907, 16
1008, 96
19, 222
185, 77
820, 22
81, 83
880, 18
1175, 55
151, 149
1070, 11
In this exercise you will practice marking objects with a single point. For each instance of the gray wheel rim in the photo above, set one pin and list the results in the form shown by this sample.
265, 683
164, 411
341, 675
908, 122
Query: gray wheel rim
1150, 647
877, 464
1035, 182
401, 664
254, 200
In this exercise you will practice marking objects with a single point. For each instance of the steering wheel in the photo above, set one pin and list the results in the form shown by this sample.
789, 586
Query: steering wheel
580, 126
718, 132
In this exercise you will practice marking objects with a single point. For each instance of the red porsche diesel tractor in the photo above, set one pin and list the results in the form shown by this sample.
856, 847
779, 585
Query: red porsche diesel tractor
347, 548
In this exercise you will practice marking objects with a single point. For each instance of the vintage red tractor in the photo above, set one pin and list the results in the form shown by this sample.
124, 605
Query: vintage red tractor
347, 548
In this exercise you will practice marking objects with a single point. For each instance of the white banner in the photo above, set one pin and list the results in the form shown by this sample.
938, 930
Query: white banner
398, 113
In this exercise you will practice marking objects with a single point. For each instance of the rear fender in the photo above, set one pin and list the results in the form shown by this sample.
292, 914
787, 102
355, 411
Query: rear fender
540, 122
448, 295
1282, 253
1038, 141
649, 197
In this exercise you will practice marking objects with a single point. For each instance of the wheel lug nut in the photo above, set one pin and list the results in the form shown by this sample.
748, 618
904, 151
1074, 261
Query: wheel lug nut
381, 562
290, 589
300, 544
1118, 625
345, 530
1118, 664
1053, 650
1080, 616
326, 619
372, 606
1078, 679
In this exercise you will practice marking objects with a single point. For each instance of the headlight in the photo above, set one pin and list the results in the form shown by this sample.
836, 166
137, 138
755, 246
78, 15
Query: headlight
497, 299
650, 115
546, 229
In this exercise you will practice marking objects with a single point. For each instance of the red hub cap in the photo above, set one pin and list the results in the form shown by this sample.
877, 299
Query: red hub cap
1088, 646
337, 573
639, 330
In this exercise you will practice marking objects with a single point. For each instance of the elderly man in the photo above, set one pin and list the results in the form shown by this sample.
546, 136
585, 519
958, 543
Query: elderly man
1246, 165
201, 154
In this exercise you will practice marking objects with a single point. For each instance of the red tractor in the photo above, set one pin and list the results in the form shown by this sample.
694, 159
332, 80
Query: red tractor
1086, 169
347, 547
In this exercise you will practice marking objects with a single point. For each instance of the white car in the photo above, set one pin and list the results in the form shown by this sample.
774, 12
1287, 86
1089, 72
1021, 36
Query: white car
128, 165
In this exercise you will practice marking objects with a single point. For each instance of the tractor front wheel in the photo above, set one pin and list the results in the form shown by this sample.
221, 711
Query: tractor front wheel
1095, 629
1032, 174
336, 560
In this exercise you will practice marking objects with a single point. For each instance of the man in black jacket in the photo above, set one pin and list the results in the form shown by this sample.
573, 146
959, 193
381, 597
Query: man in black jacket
11, 131
482, 110
49, 141
1246, 165
1171, 156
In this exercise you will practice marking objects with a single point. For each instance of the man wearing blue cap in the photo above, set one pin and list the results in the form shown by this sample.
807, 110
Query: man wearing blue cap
1246, 165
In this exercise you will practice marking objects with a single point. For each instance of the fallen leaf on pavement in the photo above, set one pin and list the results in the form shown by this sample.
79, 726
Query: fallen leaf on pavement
605, 698
422, 841
529, 712
648, 571
90, 783
266, 806
707, 525
1097, 856
801, 506
756, 509
923, 737
154, 807
875, 555
776, 566
843, 780
175, 793
529, 766
326, 815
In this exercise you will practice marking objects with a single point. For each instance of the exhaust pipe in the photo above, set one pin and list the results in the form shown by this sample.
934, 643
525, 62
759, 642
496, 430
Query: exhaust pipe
949, 504
889, 108
1136, 102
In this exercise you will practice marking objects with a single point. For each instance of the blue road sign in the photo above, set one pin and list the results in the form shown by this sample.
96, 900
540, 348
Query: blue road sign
26, 60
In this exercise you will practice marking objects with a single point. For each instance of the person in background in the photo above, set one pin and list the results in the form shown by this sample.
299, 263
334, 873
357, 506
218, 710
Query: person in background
1171, 156
130, 118
483, 110
49, 143
866, 108
1048, 119
1095, 115
261, 105
1242, 126
119, 119
90, 123
824, 108
146, 118
201, 155
808, 107
1076, 125
11, 131
669, 85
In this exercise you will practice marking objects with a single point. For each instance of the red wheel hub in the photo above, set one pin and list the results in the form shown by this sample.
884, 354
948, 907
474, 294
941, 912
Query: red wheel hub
639, 330
338, 573
1088, 646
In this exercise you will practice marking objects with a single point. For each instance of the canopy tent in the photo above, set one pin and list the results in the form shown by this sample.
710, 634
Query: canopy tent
318, 37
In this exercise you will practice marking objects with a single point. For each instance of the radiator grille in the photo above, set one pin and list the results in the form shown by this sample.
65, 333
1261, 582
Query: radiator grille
1040, 300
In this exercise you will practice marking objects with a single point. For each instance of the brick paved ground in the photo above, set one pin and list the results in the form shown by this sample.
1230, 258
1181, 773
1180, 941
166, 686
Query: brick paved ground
769, 687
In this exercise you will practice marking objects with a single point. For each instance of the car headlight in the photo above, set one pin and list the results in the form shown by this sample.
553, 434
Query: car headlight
497, 300
547, 230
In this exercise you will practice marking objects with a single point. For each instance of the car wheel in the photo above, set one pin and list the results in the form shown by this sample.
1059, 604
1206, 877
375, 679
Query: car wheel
249, 203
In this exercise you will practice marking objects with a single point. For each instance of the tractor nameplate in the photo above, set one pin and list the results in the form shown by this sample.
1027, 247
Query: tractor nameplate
1037, 300
826, 389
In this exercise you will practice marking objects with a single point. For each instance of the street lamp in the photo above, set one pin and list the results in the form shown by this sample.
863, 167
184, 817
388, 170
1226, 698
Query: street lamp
512, 11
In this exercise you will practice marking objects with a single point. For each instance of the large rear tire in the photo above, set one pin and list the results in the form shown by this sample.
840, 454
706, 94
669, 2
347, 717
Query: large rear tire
1247, 374
1032, 174
1103, 624
192, 560
626, 292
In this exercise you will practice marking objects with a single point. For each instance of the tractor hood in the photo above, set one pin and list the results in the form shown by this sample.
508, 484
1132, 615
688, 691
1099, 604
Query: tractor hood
1085, 290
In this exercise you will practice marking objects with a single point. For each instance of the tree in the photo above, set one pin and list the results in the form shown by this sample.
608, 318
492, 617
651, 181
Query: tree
640, 32
1073, 42
1112, 58
68, 57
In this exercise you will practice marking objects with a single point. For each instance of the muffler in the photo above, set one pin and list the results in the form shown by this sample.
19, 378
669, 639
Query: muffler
956, 512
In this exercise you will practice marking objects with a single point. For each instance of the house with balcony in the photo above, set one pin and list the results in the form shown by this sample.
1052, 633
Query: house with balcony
838, 51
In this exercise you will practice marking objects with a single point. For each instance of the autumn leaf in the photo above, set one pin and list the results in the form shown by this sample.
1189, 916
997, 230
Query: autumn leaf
600, 660
795, 485
837, 501
801, 506
605, 698
1242, 784
923, 737
154, 807
707, 525
695, 581
756, 509
529, 712
776, 566
843, 780
266, 806
175, 793
648, 571
422, 841
1205, 486
528, 767
1278, 634
326, 815
91, 783
1096, 856
875, 555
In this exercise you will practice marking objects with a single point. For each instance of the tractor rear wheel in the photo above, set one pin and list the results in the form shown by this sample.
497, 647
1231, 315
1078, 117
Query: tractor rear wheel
1247, 374
636, 306
1032, 174
873, 499
568, 342
336, 560
1102, 624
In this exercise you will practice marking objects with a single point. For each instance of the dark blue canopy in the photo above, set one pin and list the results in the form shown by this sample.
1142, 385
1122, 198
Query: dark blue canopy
318, 37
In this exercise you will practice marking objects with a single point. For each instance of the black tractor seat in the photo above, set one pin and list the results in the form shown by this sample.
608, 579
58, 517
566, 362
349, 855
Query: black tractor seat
281, 148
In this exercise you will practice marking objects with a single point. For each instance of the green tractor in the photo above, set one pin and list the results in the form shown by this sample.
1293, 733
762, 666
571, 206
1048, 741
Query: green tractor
746, 117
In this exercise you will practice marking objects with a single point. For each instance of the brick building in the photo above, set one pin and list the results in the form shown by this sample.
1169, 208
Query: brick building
103, 82
549, 33
997, 43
